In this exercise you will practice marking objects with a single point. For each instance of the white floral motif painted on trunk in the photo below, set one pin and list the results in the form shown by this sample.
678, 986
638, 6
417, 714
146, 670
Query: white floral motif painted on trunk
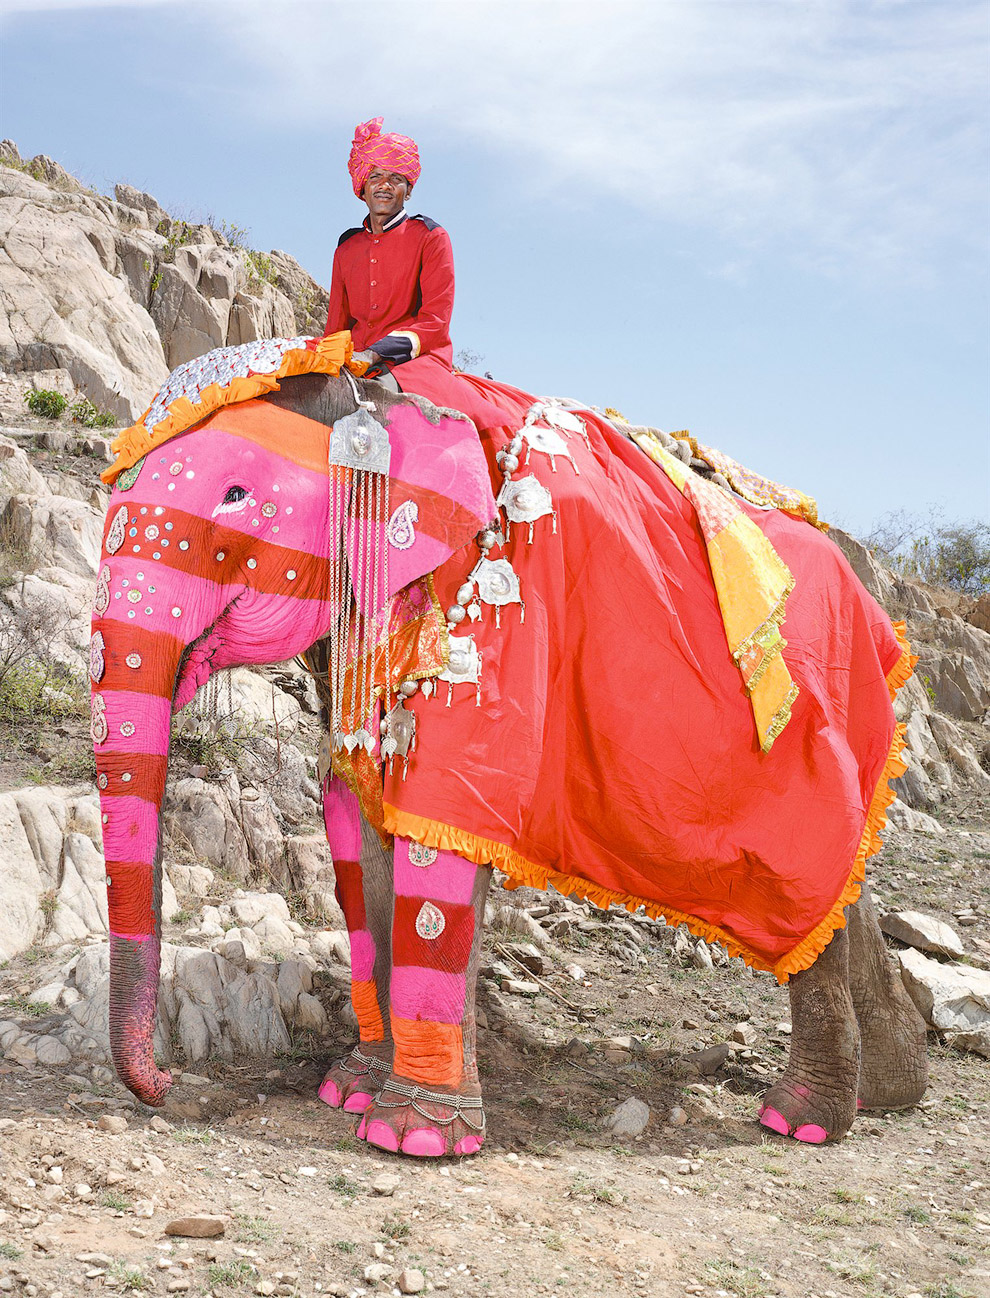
102, 601
98, 727
430, 922
97, 662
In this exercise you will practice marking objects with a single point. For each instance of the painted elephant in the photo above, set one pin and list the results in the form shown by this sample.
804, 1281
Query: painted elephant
220, 549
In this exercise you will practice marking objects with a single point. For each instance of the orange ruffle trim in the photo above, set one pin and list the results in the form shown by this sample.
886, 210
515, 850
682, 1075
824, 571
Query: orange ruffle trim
327, 356
525, 873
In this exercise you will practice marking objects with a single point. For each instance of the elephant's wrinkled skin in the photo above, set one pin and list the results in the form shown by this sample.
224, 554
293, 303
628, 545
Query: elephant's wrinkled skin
181, 595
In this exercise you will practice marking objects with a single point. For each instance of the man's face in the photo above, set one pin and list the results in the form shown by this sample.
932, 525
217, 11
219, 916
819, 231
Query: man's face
385, 192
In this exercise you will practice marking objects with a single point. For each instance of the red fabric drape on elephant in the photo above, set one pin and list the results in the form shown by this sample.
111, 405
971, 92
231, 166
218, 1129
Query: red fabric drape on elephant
614, 749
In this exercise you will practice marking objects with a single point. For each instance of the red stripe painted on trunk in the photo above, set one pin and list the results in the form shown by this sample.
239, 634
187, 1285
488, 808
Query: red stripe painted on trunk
133, 775
158, 653
130, 893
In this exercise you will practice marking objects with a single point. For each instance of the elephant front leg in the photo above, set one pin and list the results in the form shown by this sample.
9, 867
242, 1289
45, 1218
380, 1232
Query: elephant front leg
815, 1100
363, 873
431, 1105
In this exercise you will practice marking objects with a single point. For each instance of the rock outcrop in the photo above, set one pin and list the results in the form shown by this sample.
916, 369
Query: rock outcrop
114, 292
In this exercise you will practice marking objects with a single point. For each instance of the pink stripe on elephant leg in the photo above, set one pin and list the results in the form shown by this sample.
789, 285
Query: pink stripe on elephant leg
428, 995
130, 830
342, 819
362, 955
429, 872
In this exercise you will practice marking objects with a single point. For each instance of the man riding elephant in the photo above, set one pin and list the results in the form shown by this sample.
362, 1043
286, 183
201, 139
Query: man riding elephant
393, 280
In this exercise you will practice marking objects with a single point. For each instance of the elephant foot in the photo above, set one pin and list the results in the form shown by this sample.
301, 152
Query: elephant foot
352, 1083
809, 1113
894, 1068
408, 1119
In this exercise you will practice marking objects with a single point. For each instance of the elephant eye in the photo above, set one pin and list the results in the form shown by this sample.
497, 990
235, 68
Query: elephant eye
234, 502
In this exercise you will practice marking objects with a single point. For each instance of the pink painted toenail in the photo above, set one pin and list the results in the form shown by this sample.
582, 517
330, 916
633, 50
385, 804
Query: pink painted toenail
362, 1129
774, 1120
329, 1093
382, 1135
859, 1104
424, 1142
469, 1145
811, 1134
357, 1102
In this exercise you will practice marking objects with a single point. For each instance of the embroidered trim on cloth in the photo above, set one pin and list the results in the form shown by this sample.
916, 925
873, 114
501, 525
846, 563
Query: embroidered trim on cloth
224, 377
752, 583
526, 873
755, 488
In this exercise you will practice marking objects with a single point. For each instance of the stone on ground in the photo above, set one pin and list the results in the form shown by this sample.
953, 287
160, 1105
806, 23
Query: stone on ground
196, 1227
923, 932
629, 1119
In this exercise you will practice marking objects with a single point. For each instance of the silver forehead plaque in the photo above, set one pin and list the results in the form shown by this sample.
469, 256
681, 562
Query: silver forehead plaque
359, 441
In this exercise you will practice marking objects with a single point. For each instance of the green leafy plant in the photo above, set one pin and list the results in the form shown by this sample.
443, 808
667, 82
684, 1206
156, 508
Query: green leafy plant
255, 1230
84, 412
230, 1274
46, 403
394, 1228
130, 1278
21, 1005
235, 235
10, 1251
115, 1201
260, 268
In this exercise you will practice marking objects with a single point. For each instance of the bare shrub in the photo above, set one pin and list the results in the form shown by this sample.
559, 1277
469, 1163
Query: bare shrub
927, 548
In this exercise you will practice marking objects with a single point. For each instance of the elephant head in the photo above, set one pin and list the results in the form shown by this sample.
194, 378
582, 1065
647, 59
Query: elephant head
215, 554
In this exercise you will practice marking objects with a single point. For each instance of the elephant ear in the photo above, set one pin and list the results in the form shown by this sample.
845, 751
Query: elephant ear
440, 491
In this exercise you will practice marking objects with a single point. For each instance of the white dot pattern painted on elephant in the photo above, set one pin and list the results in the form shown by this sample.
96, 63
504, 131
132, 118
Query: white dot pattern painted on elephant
430, 922
219, 367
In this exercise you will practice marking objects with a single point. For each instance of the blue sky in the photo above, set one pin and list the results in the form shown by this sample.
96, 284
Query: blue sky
764, 222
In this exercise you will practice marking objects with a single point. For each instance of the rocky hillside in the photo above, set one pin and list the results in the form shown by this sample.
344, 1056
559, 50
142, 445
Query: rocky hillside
621, 1056
111, 294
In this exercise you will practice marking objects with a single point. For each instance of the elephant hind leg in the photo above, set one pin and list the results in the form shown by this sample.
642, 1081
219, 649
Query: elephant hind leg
894, 1066
815, 1099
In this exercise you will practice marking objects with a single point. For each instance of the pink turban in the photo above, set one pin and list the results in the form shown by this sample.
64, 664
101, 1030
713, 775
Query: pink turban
371, 149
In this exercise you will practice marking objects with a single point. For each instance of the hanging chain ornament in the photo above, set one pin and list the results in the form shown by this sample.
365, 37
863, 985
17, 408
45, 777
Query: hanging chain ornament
360, 457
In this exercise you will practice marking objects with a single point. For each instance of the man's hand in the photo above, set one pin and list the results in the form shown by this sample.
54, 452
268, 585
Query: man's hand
368, 357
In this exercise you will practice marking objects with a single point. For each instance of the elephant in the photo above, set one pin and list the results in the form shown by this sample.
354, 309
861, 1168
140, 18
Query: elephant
220, 549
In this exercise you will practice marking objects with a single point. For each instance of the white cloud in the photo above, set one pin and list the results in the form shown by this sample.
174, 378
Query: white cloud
840, 130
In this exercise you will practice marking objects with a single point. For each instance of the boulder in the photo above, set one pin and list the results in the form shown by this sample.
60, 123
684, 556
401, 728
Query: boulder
954, 998
199, 821
923, 932
903, 817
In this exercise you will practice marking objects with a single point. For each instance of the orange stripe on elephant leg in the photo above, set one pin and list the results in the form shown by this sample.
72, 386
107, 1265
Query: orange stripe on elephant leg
364, 998
431, 1054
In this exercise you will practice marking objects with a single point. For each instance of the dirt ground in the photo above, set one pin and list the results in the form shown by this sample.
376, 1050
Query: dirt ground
553, 1205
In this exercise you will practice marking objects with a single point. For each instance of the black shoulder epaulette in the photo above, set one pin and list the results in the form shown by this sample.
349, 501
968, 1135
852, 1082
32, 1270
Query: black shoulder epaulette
348, 233
427, 221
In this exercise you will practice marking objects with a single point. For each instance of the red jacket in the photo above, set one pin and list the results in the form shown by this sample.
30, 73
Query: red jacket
395, 292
